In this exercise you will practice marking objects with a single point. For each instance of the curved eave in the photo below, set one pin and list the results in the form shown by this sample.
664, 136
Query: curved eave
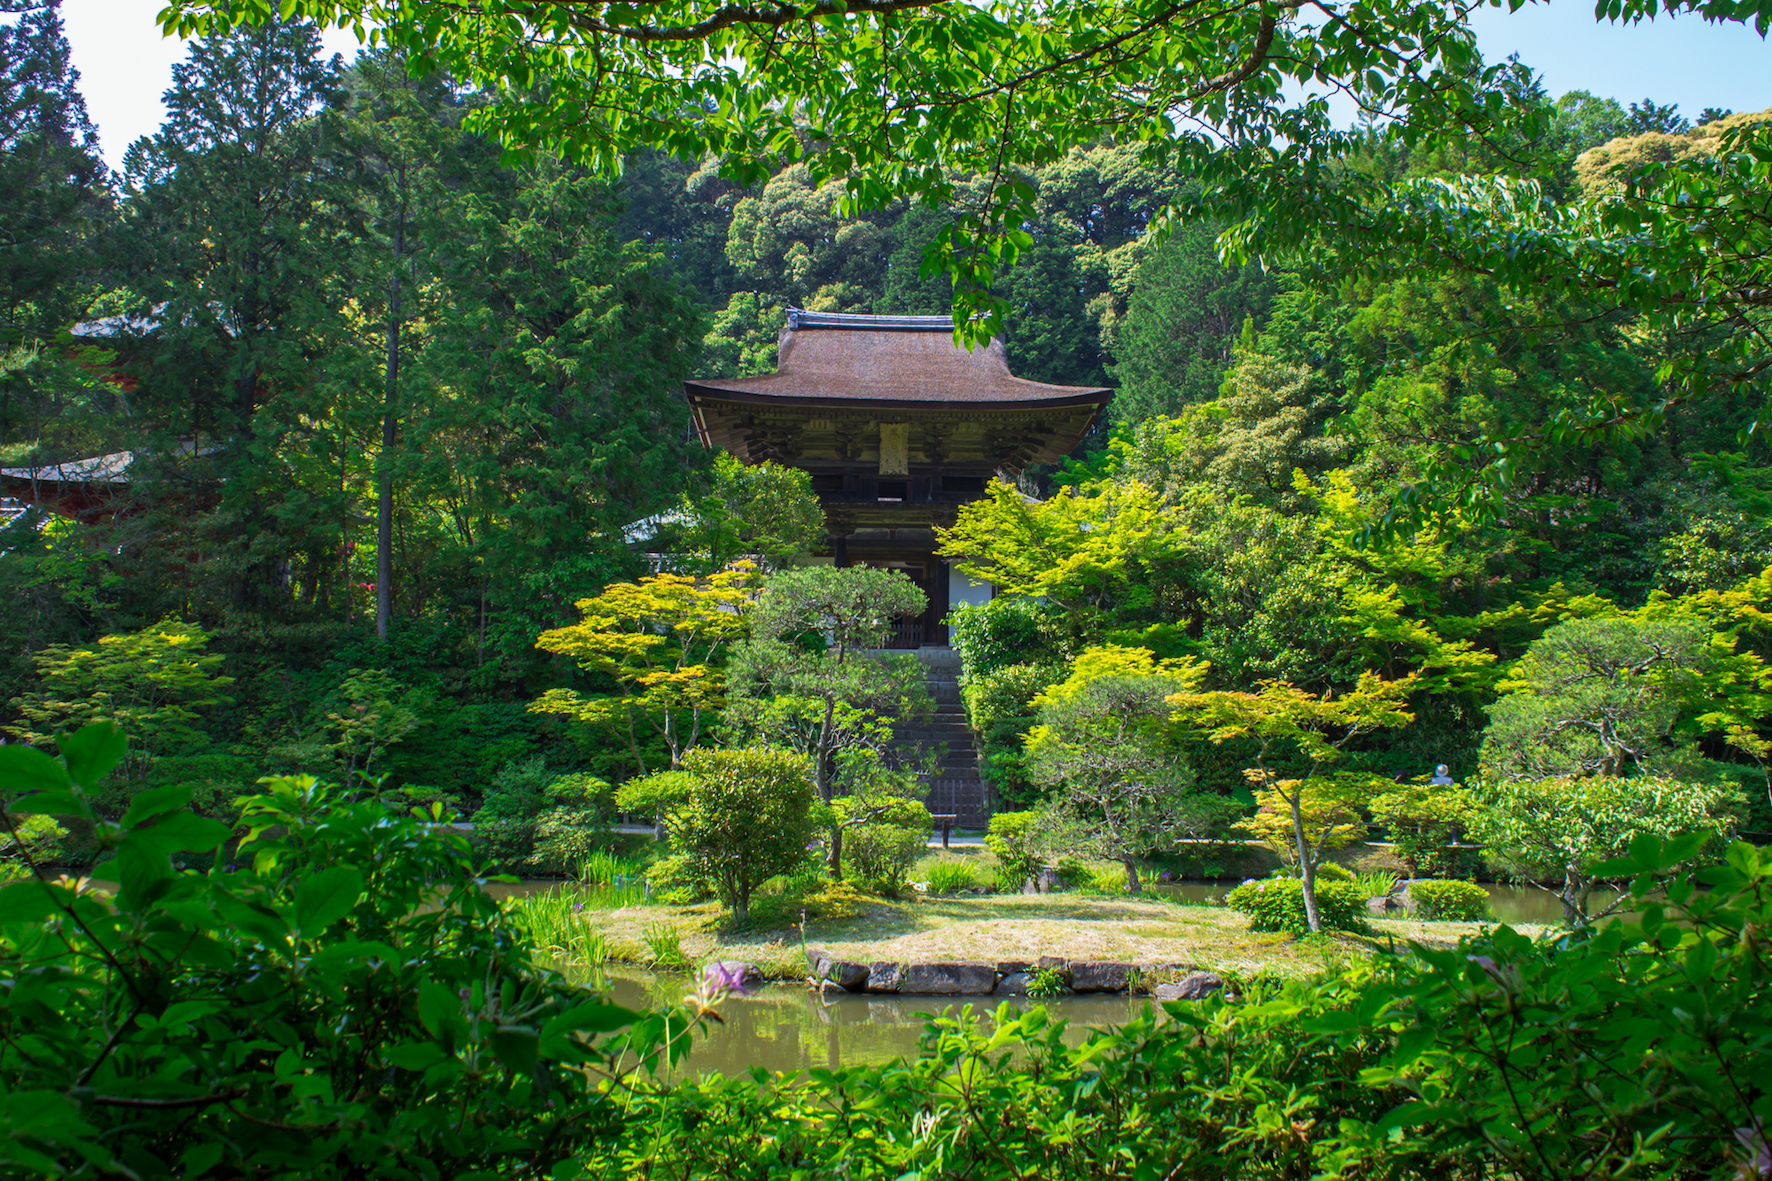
1084, 397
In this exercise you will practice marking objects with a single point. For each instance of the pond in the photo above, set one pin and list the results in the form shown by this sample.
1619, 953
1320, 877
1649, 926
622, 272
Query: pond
788, 1027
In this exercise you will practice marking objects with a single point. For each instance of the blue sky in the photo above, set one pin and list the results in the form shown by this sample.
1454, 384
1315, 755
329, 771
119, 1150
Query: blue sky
125, 64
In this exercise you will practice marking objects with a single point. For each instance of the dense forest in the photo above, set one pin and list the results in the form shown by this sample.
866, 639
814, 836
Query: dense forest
379, 403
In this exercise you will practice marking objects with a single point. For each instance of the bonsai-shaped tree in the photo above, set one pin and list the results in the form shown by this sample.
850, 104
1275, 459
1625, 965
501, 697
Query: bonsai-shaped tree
1121, 790
1296, 730
810, 680
813, 631
1566, 826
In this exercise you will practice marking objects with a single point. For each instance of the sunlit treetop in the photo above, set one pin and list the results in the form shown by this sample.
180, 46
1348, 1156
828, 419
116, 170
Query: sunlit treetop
903, 98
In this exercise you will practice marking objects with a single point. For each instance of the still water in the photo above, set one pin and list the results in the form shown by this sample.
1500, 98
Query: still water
788, 1027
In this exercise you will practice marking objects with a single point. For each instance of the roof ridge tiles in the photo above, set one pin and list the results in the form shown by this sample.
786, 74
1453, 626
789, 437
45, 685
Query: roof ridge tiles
799, 318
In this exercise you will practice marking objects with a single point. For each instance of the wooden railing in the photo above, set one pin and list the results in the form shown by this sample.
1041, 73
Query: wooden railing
905, 633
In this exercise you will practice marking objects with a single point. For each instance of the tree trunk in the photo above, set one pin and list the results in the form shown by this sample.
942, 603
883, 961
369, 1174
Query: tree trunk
1572, 897
1307, 868
834, 862
384, 499
1133, 885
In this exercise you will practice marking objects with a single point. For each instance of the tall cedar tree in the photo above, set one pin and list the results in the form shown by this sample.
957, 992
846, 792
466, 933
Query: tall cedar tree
230, 227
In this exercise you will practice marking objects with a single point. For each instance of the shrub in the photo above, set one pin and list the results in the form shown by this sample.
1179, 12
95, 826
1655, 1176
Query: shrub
351, 1001
1458, 901
1503, 1057
1009, 630
676, 881
574, 829
947, 877
834, 901
1329, 871
1012, 838
1005, 694
882, 854
518, 793
1277, 904
33, 838
748, 818
999, 707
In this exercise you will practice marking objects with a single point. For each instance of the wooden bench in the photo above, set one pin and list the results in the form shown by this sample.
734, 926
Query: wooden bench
946, 820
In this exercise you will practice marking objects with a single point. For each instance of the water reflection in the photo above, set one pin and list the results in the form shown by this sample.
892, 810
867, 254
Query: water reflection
786, 1027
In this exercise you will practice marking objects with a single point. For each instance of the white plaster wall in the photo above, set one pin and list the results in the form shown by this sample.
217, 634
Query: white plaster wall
963, 592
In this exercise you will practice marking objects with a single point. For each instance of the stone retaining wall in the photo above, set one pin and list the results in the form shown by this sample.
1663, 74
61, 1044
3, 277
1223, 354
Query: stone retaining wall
1011, 977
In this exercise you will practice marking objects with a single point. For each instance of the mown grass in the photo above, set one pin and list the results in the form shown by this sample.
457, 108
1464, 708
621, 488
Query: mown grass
613, 921
1015, 927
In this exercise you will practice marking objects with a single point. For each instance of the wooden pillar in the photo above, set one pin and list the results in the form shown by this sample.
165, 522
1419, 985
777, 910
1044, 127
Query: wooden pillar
939, 592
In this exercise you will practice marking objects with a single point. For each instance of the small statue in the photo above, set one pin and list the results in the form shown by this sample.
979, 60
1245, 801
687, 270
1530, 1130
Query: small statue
1440, 779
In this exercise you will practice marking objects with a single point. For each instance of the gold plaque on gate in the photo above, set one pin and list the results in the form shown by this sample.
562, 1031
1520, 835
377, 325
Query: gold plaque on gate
895, 449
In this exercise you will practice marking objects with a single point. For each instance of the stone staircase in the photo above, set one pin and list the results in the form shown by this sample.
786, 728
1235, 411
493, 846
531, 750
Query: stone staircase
956, 787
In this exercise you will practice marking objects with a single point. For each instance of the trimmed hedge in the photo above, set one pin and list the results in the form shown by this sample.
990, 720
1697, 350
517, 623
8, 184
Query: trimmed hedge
1277, 904
1456, 901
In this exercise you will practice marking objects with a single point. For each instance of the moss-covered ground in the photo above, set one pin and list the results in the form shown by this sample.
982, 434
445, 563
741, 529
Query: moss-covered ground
920, 927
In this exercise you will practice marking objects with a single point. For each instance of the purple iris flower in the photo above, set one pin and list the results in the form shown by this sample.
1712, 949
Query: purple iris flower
728, 978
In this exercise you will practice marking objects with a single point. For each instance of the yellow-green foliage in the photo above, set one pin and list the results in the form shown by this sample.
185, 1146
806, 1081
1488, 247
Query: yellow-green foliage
660, 640
1277, 904
1331, 808
1605, 168
1082, 548
1116, 660
153, 683
1464, 902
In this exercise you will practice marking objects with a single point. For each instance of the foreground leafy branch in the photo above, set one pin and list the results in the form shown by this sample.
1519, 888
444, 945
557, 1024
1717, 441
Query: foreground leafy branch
350, 1003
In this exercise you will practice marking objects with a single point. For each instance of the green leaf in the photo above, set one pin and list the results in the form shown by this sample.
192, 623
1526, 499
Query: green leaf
255, 919
23, 769
325, 898
1334, 1021
589, 1018
416, 1055
516, 1046
91, 751
1404, 1115
27, 902
1411, 1044
200, 1158
51, 803
153, 802
439, 1007
353, 950
183, 832
140, 864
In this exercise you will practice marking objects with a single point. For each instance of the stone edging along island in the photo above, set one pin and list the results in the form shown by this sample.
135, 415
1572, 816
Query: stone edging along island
1003, 978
